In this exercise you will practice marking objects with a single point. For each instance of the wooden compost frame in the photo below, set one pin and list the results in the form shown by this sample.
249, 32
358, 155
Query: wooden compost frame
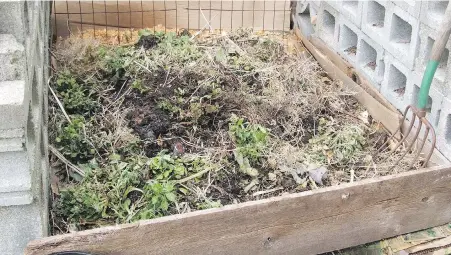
310, 222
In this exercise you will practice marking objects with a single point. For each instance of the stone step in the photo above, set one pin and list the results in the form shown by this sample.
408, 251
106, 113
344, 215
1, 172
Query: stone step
12, 139
13, 107
15, 179
12, 58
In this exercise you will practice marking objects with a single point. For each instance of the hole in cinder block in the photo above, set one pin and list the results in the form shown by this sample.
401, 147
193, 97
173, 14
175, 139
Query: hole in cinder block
351, 6
441, 70
376, 14
305, 20
436, 9
400, 31
448, 129
328, 24
416, 93
397, 82
348, 41
367, 56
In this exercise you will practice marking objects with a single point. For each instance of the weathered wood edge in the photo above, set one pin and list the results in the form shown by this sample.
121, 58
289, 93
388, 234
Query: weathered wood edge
304, 223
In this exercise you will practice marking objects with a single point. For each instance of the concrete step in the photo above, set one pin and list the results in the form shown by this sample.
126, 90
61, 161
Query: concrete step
12, 139
12, 58
15, 179
13, 107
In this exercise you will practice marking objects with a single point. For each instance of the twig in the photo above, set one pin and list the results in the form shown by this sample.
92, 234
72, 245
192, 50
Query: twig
203, 28
166, 79
198, 174
67, 162
147, 69
266, 191
60, 104
352, 175
312, 183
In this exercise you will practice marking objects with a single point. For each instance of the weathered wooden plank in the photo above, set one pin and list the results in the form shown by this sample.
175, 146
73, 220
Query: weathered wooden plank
306, 223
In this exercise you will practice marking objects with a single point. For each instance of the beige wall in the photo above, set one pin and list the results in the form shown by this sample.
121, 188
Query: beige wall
270, 15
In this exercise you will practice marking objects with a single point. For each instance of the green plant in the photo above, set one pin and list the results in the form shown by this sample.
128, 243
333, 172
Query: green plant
161, 195
336, 144
208, 204
117, 191
72, 143
117, 61
138, 85
250, 139
77, 98
164, 167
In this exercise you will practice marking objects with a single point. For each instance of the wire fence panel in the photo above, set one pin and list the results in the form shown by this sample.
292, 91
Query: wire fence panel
77, 16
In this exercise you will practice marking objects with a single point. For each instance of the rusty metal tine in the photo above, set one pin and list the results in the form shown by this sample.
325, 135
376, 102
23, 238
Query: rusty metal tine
417, 154
393, 135
406, 135
433, 140
408, 148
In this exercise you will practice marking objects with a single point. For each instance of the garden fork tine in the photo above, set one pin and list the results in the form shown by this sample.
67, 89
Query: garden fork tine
411, 141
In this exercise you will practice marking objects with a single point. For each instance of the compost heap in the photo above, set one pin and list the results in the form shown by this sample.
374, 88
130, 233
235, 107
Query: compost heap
176, 123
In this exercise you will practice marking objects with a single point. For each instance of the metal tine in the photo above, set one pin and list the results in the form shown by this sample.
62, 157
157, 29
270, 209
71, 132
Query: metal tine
433, 141
409, 148
382, 147
420, 148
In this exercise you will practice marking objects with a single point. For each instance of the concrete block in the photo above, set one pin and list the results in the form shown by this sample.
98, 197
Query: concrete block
305, 17
370, 60
427, 39
19, 225
444, 129
402, 34
374, 20
335, 4
12, 58
12, 139
13, 19
434, 106
348, 40
12, 104
394, 85
409, 6
16, 198
432, 12
352, 10
14, 172
327, 25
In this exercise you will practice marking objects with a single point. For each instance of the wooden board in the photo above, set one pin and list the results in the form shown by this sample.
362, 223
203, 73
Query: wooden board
306, 223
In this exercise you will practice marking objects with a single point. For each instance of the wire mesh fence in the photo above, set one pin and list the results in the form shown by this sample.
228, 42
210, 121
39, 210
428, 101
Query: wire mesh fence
104, 16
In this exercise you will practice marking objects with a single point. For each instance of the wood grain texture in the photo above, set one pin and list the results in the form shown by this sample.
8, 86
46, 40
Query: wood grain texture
306, 223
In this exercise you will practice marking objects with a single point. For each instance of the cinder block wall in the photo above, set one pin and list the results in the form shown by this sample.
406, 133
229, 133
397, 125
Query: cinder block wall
24, 40
389, 42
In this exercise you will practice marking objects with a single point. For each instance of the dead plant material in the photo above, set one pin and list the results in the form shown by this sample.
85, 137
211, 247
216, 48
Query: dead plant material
179, 123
